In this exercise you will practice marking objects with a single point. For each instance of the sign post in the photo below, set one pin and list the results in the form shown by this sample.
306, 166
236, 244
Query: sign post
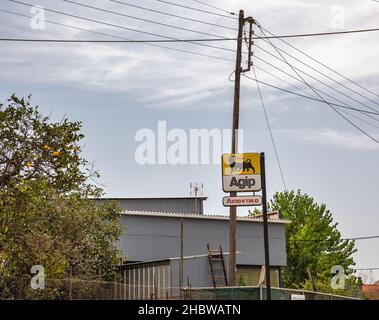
246, 172
265, 226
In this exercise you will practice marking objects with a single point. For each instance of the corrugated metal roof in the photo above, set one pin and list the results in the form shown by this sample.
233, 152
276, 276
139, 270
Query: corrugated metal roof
271, 219
152, 198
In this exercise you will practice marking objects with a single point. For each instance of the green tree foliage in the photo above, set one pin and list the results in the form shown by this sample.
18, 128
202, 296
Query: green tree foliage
32, 147
46, 217
313, 240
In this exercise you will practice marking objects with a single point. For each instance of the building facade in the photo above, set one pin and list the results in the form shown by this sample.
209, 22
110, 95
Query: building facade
151, 245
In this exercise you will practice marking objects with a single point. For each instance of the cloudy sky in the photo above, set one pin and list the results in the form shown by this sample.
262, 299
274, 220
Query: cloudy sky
118, 89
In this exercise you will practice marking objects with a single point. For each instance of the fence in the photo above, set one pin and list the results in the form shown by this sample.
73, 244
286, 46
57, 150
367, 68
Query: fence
76, 289
257, 293
61, 289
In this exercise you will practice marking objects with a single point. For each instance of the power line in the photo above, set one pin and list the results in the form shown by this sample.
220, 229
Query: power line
312, 77
122, 27
333, 108
344, 239
302, 35
196, 9
117, 37
320, 63
172, 15
108, 41
292, 85
367, 113
214, 7
308, 97
318, 71
137, 18
269, 129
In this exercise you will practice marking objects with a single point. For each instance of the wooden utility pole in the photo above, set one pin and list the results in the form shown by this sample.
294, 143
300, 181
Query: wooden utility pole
236, 109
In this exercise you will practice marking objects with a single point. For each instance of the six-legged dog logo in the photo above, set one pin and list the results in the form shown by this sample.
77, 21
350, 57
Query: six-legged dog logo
244, 166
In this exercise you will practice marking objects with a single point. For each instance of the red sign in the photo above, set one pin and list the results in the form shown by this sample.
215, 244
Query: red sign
242, 201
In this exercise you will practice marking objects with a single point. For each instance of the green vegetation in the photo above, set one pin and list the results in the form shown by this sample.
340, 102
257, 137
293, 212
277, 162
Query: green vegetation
314, 244
46, 217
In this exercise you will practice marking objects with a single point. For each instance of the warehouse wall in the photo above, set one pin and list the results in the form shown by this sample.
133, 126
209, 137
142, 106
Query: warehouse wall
172, 205
147, 238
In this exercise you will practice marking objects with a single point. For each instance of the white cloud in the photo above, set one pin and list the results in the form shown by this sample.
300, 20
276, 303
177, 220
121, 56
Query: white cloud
345, 140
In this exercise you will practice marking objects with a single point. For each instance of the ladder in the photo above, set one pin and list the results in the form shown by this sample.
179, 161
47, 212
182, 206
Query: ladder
217, 264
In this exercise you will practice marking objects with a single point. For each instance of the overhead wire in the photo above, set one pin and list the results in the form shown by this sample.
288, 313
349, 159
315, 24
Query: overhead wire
118, 37
123, 27
270, 131
298, 88
196, 9
169, 40
331, 106
265, 114
320, 63
323, 74
374, 111
191, 30
316, 79
173, 15
138, 18
214, 7
343, 239
307, 97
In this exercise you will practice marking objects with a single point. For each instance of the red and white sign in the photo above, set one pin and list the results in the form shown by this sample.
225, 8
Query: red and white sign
242, 201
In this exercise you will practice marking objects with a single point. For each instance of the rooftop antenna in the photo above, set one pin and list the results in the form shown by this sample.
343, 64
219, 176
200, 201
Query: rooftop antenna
196, 189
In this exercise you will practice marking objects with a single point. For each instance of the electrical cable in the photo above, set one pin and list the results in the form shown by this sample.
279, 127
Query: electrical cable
196, 9
117, 37
270, 131
122, 27
316, 79
298, 88
320, 63
330, 105
214, 7
308, 97
137, 18
172, 15
374, 112
344, 239
323, 74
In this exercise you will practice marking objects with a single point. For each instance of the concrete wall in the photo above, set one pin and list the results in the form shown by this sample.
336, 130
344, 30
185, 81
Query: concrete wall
147, 238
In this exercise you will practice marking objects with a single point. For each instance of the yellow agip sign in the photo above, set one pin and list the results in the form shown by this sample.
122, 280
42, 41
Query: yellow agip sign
241, 172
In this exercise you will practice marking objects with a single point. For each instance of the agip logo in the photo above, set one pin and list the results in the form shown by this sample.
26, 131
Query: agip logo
241, 172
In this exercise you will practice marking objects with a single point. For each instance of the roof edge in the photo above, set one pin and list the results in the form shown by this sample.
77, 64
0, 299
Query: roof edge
199, 216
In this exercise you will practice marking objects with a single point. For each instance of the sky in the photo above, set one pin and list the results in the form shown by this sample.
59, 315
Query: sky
117, 89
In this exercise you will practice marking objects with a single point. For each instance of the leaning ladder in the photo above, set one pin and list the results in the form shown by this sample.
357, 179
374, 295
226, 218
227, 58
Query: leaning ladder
217, 264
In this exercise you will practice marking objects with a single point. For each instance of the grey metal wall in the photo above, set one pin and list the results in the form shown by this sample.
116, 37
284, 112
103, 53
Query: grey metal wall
172, 205
196, 270
147, 238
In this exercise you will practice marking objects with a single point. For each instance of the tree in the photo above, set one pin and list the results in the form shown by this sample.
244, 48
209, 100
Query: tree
32, 147
314, 243
46, 215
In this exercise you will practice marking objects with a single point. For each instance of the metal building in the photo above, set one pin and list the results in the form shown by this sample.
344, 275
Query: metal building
166, 204
151, 244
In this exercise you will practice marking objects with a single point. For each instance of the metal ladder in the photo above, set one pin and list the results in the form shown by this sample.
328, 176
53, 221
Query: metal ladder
217, 264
